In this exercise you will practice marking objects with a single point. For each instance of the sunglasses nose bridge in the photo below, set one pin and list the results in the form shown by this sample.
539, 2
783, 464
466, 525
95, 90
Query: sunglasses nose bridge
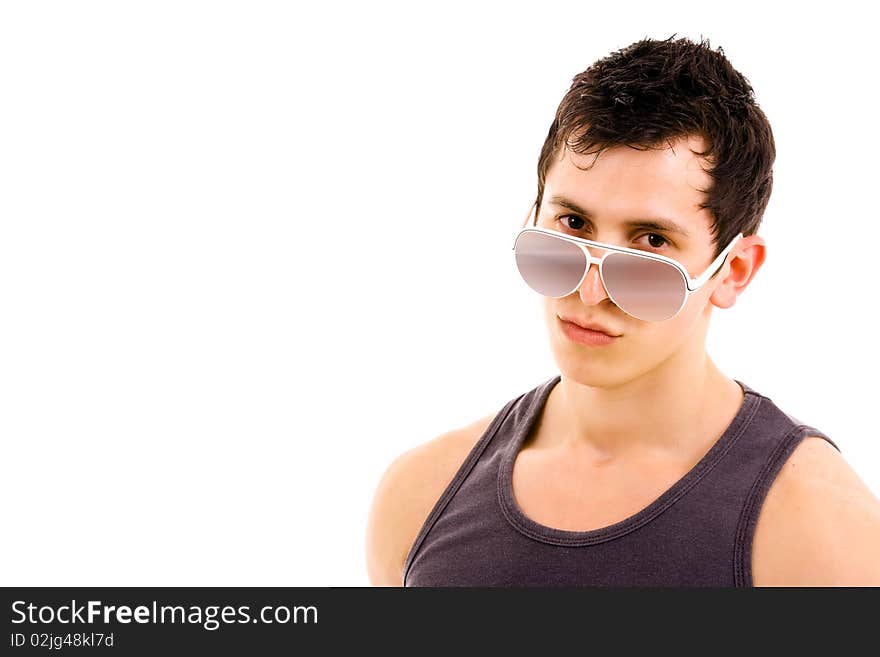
592, 289
591, 259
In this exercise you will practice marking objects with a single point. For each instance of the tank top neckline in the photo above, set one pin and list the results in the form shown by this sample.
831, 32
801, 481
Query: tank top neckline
553, 535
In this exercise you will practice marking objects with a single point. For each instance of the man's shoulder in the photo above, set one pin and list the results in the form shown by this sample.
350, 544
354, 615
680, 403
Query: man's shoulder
819, 524
449, 449
408, 491
432, 465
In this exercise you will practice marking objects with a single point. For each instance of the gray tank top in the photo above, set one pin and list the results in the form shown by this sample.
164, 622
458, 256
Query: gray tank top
698, 533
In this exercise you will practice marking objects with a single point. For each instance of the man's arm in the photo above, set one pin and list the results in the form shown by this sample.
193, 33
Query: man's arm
406, 494
388, 526
819, 525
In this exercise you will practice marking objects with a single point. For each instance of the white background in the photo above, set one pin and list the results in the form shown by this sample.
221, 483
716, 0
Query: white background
250, 252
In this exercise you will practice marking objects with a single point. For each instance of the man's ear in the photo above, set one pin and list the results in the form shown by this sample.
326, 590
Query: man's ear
741, 266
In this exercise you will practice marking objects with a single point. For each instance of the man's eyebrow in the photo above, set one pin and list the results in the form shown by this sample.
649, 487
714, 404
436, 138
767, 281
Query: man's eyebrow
653, 223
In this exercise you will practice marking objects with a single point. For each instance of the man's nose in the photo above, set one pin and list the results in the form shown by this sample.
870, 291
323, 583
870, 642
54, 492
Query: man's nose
591, 290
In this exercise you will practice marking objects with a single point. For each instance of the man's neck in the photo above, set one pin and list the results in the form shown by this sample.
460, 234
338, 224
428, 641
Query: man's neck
672, 409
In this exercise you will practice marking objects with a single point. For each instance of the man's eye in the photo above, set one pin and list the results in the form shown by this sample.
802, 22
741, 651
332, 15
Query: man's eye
566, 220
653, 243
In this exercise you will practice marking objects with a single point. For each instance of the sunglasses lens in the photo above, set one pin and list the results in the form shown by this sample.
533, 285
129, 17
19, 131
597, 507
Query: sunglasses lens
646, 289
549, 265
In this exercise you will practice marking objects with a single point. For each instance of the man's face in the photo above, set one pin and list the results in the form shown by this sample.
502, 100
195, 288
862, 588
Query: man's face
623, 185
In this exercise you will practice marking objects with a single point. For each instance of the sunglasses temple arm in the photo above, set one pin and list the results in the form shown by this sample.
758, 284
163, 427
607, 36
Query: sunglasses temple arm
698, 282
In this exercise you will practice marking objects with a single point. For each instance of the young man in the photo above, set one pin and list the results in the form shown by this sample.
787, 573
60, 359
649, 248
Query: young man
641, 463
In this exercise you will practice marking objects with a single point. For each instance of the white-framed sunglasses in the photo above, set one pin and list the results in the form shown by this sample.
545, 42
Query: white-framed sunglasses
648, 286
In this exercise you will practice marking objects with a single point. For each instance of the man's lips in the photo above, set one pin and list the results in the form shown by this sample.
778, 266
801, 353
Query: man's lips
592, 326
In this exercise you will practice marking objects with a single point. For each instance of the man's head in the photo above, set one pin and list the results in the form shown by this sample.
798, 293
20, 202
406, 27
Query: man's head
659, 130
654, 92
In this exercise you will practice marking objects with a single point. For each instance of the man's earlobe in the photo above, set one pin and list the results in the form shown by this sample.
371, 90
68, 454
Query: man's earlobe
723, 296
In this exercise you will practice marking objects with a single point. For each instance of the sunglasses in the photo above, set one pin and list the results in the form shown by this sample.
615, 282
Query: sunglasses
648, 286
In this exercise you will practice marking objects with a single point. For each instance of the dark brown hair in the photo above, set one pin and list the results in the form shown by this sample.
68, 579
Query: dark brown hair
652, 92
